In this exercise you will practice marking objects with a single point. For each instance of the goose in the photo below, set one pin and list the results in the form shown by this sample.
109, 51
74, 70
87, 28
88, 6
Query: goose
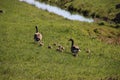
37, 35
74, 49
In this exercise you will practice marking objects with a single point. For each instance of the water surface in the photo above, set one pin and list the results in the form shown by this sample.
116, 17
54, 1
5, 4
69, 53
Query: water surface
58, 11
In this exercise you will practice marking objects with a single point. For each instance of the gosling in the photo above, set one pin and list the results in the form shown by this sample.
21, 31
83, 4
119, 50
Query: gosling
49, 47
88, 52
41, 44
60, 48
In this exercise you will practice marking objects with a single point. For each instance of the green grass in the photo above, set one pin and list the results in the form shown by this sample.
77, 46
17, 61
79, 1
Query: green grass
105, 8
22, 59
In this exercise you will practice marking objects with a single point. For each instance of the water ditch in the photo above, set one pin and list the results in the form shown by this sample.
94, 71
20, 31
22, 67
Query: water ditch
58, 11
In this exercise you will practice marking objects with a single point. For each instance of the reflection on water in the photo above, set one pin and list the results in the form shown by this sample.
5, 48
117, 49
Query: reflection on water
58, 11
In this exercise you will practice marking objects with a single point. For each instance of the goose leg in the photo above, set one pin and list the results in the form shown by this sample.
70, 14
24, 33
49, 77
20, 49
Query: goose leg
74, 54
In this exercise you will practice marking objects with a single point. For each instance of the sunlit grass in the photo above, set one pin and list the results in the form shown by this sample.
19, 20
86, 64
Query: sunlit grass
22, 59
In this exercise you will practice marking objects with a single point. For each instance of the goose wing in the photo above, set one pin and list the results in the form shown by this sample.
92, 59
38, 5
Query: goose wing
38, 35
75, 49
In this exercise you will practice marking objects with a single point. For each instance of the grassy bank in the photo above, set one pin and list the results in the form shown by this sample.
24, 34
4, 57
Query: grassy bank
102, 9
22, 59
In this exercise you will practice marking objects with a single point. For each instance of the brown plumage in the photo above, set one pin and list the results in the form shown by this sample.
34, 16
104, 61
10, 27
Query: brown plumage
60, 48
49, 47
54, 44
1, 11
41, 44
74, 49
37, 35
87, 50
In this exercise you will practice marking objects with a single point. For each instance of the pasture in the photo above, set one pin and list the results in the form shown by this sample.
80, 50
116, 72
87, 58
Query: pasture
22, 59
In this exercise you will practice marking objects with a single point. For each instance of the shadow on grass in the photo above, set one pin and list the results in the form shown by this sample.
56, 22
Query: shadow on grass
32, 42
68, 53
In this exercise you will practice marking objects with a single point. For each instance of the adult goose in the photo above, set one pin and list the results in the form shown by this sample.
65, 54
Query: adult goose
37, 35
74, 49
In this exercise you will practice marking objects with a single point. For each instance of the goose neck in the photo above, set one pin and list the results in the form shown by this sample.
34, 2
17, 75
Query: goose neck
72, 43
36, 29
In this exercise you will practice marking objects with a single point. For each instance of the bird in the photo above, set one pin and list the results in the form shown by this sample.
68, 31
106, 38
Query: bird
55, 44
37, 35
74, 49
41, 44
49, 47
60, 48
88, 51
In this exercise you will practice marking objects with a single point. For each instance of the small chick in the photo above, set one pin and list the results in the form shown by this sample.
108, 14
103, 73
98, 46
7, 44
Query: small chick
49, 47
60, 48
54, 44
41, 43
87, 50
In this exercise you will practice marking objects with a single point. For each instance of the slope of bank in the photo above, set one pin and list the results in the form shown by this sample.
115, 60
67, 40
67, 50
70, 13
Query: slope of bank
106, 10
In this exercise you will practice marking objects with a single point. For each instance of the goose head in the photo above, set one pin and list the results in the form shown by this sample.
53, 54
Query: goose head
70, 39
36, 29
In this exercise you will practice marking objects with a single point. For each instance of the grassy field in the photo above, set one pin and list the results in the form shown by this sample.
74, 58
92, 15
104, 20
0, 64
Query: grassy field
22, 59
